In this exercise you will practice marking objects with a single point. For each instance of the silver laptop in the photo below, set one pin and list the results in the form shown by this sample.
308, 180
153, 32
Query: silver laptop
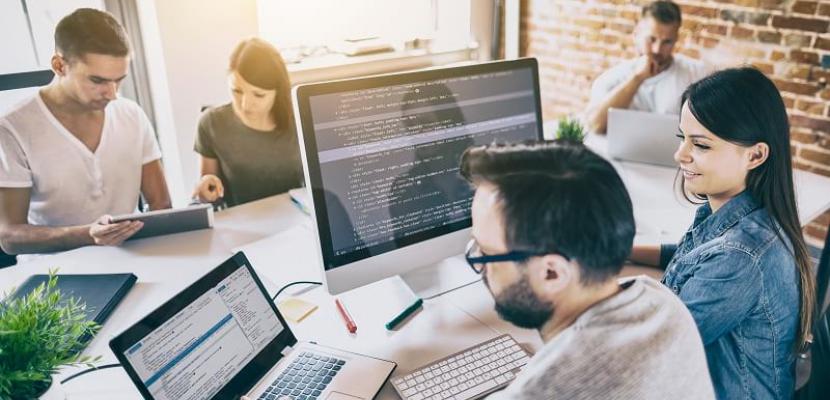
642, 137
222, 338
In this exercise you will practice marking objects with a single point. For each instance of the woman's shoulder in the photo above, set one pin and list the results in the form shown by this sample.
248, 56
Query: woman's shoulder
215, 118
216, 113
757, 234
747, 238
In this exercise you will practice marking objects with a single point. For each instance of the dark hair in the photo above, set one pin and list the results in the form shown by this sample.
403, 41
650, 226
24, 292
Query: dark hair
261, 65
87, 30
742, 106
559, 197
665, 12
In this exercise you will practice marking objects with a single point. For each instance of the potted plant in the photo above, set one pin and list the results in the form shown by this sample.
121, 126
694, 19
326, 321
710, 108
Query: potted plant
570, 129
39, 333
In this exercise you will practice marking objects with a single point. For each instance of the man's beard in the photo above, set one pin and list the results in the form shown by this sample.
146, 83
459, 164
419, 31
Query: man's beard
519, 305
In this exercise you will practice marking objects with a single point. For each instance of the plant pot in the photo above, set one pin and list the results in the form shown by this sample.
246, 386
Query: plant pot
54, 392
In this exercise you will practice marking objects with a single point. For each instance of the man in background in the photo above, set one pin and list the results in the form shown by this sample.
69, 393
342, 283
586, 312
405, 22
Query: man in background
653, 81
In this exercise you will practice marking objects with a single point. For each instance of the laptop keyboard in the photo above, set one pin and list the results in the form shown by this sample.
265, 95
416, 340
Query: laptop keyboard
468, 374
305, 378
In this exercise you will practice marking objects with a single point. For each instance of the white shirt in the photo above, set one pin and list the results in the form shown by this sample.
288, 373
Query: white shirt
658, 94
70, 185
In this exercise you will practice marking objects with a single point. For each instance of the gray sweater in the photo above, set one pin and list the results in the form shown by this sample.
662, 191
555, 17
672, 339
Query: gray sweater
642, 343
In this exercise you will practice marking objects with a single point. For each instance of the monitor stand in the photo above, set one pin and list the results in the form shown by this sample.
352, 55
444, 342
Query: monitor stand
426, 282
433, 280
401, 291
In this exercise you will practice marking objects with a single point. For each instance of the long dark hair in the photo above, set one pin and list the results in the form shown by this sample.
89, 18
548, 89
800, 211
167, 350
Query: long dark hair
742, 106
261, 65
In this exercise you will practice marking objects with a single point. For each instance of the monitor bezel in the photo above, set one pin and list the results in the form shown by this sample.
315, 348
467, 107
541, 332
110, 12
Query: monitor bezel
249, 375
305, 131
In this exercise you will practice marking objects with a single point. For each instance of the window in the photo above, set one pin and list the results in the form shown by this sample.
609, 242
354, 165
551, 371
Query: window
302, 28
32, 24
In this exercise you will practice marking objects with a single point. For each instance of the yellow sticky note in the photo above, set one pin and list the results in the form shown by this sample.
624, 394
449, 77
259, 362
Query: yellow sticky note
295, 310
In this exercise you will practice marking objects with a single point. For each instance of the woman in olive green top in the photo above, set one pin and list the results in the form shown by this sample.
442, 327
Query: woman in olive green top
248, 148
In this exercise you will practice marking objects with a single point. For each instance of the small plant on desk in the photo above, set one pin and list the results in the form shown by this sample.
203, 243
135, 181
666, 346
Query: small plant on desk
570, 129
39, 333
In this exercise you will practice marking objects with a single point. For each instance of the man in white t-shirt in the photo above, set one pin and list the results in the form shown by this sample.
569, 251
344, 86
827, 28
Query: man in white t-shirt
75, 153
652, 82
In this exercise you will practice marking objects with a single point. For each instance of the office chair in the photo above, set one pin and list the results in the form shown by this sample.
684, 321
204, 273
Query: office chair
818, 386
7, 260
11, 85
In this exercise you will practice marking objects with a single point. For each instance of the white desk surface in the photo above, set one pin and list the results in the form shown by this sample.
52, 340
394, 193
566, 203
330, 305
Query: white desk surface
165, 265
449, 323
663, 215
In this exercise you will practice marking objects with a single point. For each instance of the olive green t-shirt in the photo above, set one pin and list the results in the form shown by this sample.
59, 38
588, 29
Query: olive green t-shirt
253, 164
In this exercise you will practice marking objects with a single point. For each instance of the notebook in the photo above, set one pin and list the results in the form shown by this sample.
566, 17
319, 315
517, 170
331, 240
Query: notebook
100, 292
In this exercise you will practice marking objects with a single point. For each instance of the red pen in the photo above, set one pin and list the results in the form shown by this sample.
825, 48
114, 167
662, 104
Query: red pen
350, 325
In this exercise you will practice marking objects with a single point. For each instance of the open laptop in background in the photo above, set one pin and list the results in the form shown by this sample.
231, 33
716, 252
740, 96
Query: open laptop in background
223, 337
641, 136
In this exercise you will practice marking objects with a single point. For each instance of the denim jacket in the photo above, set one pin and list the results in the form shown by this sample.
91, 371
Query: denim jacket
736, 273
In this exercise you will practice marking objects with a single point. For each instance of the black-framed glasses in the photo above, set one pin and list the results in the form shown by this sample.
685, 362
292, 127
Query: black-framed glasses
477, 260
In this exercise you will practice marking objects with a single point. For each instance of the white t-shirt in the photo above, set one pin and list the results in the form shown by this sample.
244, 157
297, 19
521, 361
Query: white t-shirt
70, 184
658, 94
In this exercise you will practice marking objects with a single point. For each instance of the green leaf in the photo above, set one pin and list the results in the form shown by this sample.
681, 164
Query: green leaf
39, 334
570, 129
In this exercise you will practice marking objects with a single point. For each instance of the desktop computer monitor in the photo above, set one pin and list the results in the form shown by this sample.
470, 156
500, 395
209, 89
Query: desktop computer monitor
381, 157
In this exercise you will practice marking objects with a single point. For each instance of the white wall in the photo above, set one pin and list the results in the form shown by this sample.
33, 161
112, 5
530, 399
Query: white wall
13, 25
188, 43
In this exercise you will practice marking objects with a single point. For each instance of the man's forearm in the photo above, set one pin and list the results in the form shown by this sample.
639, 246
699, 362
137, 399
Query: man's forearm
620, 97
29, 239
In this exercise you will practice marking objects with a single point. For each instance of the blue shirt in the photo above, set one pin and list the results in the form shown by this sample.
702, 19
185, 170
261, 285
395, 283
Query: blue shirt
735, 271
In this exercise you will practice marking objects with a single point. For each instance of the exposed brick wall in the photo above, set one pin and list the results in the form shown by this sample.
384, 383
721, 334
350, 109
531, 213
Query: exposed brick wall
576, 40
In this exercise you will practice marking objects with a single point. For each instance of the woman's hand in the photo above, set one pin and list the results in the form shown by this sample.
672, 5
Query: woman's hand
209, 189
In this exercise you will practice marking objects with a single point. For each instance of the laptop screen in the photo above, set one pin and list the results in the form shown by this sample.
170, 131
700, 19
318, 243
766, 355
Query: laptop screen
198, 350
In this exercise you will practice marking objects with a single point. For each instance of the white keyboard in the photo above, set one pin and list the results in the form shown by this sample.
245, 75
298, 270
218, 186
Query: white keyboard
468, 374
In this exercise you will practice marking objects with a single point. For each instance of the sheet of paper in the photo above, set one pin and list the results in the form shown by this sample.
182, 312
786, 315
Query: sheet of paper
295, 309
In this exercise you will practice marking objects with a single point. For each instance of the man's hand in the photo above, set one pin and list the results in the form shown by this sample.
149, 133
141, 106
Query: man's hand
647, 67
209, 189
104, 233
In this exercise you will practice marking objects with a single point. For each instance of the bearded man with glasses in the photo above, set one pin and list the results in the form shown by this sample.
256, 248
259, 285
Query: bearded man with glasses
552, 226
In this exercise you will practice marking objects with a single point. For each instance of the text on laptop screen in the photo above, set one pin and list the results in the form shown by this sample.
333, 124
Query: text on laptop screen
389, 155
199, 350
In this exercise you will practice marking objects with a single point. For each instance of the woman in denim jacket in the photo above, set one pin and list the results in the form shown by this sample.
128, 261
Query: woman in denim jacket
742, 267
